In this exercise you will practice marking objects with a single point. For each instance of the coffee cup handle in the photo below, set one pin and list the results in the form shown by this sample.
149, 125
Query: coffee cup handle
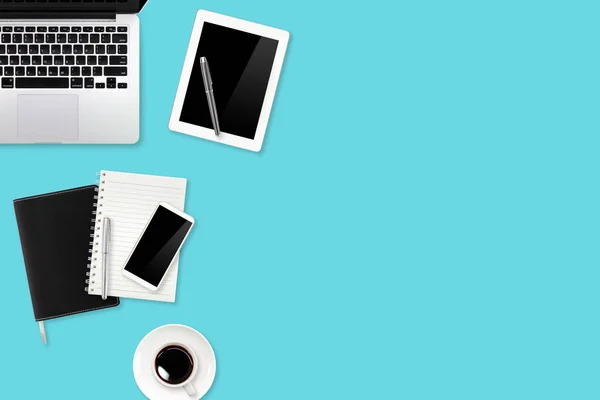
189, 388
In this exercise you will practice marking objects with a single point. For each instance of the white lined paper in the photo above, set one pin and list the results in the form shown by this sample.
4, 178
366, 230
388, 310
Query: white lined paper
129, 201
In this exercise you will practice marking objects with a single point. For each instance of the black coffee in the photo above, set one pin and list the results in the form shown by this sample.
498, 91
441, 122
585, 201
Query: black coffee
174, 364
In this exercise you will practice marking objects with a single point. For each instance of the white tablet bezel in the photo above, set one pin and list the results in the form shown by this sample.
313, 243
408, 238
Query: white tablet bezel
136, 278
189, 129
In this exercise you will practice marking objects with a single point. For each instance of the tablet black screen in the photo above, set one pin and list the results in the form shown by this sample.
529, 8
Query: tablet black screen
240, 64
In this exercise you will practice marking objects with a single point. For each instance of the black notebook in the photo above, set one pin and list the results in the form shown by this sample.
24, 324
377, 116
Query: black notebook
56, 237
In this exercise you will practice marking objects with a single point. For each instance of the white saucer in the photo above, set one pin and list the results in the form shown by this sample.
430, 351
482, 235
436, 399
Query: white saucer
143, 362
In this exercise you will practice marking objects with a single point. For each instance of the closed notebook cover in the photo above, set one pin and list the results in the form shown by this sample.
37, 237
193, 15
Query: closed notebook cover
55, 231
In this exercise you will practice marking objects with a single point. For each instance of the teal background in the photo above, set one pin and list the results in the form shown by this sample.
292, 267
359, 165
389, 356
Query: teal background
422, 222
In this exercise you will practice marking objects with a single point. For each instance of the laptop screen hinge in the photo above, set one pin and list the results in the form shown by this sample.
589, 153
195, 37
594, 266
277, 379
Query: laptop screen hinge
57, 15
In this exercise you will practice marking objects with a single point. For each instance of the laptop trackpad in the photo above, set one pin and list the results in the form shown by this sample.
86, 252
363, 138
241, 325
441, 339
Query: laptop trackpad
48, 118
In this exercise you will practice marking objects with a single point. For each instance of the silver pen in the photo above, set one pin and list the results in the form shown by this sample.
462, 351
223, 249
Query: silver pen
210, 95
105, 249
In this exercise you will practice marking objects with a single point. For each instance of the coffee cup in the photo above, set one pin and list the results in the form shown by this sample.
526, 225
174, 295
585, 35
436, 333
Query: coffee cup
175, 366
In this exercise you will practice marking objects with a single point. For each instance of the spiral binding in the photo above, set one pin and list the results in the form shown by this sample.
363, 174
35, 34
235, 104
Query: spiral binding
92, 265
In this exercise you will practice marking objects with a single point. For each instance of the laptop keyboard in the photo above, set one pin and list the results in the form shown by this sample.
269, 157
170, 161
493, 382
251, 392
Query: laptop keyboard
63, 57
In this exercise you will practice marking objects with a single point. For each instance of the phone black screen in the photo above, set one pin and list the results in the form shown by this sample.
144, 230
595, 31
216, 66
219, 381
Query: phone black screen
158, 246
240, 65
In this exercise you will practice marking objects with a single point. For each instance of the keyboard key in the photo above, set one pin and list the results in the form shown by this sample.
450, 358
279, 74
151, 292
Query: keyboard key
7, 29
17, 38
111, 80
102, 60
99, 29
70, 60
111, 85
34, 49
28, 38
78, 49
75, 71
65, 29
9, 71
122, 29
36, 60
123, 49
89, 49
111, 49
72, 38
31, 71
25, 60
2, 49
42, 29
39, 38
89, 83
67, 49
44, 49
83, 38
61, 38
47, 60
111, 29
100, 85
76, 83
8, 83
11, 49
122, 86
95, 38
19, 29
59, 60
100, 49
42, 83
56, 48
53, 71
3, 60
20, 71
119, 38
14, 60
50, 38
80, 60
92, 60
88, 29
105, 38
76, 29
118, 60
53, 29
97, 71
22, 49
42, 71
86, 71
5, 38
30, 29
64, 71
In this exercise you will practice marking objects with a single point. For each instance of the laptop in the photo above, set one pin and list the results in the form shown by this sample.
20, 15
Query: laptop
69, 71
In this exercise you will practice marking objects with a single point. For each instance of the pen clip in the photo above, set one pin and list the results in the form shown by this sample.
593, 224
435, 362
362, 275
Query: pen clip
209, 77
206, 77
106, 235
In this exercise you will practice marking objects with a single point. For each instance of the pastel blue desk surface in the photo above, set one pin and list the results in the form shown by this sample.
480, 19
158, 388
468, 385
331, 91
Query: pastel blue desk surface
422, 223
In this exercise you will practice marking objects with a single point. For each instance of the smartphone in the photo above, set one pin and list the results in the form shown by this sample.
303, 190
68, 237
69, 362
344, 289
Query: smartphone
160, 242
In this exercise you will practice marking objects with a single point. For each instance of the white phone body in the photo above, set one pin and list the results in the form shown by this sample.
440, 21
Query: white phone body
138, 279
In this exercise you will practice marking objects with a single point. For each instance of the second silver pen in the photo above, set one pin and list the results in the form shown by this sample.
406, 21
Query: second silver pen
210, 95
105, 252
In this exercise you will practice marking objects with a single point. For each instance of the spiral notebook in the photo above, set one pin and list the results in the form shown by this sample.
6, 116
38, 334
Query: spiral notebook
129, 201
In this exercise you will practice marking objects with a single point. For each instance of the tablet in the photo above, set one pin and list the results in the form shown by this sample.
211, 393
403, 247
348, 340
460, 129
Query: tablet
245, 61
